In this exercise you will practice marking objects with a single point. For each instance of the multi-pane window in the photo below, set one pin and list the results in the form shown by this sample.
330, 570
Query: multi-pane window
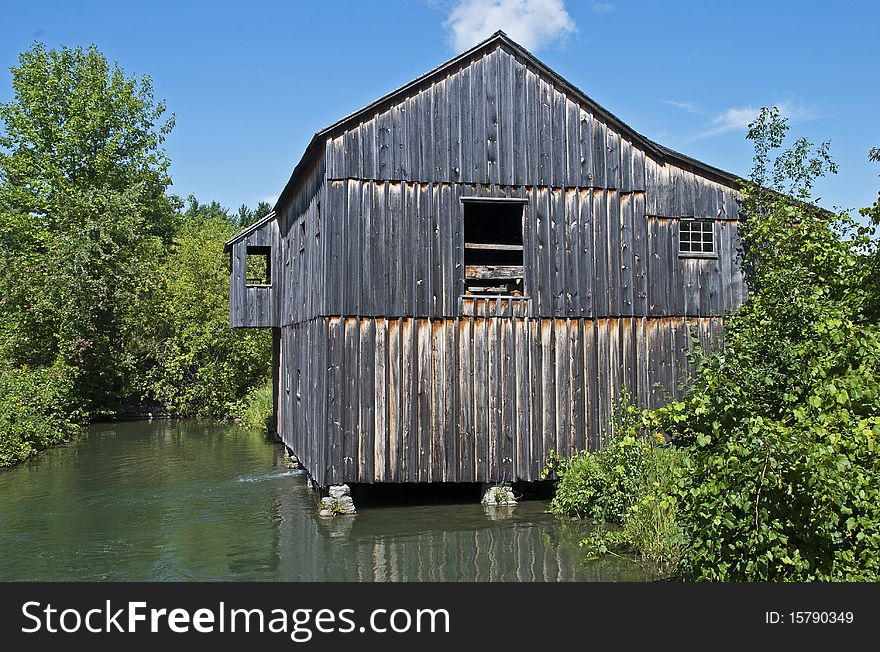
696, 237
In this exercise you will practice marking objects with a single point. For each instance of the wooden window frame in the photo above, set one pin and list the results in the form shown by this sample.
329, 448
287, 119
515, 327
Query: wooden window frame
259, 250
470, 201
697, 254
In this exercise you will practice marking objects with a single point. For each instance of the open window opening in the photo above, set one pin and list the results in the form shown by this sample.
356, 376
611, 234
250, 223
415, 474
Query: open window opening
493, 248
258, 266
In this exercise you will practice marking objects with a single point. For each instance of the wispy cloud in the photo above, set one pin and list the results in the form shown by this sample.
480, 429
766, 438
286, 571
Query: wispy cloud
532, 23
684, 106
731, 119
271, 199
603, 7
738, 118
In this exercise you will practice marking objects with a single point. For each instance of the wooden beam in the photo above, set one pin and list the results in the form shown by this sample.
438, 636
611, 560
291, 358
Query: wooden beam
500, 247
483, 272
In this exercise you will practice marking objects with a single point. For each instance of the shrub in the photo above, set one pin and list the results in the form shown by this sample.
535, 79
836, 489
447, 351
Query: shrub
37, 410
783, 425
601, 485
651, 525
258, 409
792, 492
628, 488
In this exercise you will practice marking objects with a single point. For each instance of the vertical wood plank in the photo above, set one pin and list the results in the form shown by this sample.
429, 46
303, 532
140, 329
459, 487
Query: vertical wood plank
598, 151
424, 423
395, 360
437, 402
380, 449
627, 255
367, 403
523, 407
492, 125
466, 400
557, 251
408, 403
333, 470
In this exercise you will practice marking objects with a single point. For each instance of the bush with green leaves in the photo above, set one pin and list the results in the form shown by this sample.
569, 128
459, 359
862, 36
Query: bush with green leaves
112, 298
258, 410
37, 410
194, 364
627, 488
783, 425
83, 214
777, 471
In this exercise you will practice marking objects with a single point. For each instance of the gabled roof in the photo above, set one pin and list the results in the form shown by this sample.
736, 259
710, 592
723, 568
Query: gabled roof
660, 152
246, 232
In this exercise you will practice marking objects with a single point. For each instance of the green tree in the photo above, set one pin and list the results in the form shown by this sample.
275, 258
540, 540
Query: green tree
784, 424
196, 364
247, 216
83, 215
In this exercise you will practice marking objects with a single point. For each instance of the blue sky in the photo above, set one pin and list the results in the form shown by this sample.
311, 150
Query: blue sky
250, 83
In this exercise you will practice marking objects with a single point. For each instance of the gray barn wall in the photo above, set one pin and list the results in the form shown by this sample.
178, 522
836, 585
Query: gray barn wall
397, 249
498, 128
468, 400
304, 238
385, 376
254, 306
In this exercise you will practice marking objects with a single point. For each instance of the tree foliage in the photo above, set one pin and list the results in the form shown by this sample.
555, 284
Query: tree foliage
110, 293
83, 212
247, 216
196, 364
784, 424
779, 433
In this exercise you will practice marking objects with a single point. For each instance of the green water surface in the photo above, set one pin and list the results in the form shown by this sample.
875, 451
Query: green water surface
185, 500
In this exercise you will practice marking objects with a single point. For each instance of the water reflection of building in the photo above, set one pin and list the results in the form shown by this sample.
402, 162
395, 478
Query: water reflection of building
431, 544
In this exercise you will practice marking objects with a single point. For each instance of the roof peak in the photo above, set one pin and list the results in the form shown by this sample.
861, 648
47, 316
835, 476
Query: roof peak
498, 37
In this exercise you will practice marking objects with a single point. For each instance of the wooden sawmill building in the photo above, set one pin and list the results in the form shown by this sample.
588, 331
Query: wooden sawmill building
469, 272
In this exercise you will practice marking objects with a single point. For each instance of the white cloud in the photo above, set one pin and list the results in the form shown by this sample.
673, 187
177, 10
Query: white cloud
684, 106
531, 23
603, 7
271, 199
733, 118
739, 118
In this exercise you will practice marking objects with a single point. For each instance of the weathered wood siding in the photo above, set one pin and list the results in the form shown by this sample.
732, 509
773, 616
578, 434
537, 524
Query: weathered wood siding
497, 127
468, 400
304, 249
254, 306
397, 250
387, 374
493, 120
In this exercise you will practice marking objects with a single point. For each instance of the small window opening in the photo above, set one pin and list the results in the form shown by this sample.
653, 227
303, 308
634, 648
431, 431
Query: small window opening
258, 266
493, 248
696, 237
317, 219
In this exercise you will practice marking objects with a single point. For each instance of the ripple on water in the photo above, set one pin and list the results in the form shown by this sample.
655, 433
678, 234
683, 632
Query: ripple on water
166, 500
272, 475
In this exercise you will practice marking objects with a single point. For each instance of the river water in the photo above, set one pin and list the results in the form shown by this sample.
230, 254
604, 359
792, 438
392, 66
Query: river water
185, 500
